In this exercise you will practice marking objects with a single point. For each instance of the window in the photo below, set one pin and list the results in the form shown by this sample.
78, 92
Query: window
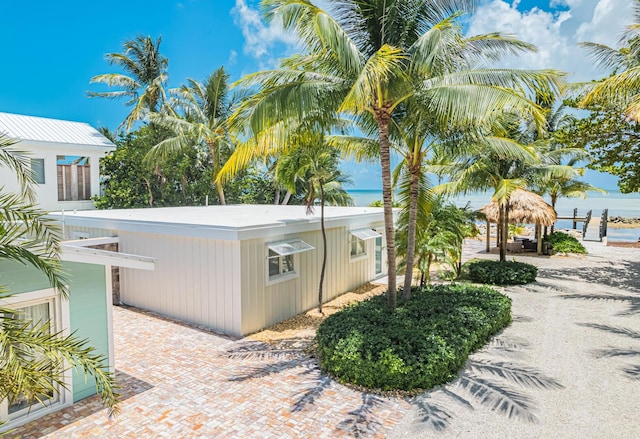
358, 242
281, 260
38, 307
74, 178
37, 170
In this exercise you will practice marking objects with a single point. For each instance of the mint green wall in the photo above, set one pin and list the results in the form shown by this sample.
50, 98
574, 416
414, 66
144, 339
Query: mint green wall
87, 306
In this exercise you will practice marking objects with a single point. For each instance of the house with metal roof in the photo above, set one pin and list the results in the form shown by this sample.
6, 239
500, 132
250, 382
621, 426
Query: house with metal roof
64, 158
238, 268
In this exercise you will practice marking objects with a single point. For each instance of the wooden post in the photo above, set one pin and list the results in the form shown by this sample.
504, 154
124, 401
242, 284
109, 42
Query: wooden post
575, 214
488, 237
539, 238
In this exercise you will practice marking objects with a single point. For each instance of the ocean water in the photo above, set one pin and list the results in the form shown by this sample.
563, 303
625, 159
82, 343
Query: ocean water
625, 205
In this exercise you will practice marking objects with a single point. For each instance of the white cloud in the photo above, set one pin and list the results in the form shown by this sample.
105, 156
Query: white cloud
556, 34
261, 39
233, 58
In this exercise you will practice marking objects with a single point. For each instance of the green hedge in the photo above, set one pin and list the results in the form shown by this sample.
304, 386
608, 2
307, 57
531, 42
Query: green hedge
421, 344
564, 243
501, 273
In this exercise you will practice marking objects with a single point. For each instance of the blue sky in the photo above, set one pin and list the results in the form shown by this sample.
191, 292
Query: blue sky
50, 49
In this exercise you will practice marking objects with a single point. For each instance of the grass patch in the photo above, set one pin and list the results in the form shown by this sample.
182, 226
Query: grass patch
421, 344
491, 272
564, 243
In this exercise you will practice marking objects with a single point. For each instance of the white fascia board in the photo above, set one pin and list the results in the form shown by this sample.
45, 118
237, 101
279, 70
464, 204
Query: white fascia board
224, 233
87, 255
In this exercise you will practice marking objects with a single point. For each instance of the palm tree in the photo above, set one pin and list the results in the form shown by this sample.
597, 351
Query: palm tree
316, 163
365, 61
32, 359
205, 109
143, 81
622, 88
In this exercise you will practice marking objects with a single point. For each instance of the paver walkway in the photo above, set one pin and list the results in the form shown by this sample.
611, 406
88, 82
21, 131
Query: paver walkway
569, 366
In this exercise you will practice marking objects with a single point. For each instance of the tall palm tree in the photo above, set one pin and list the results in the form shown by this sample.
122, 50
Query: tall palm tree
32, 359
365, 59
622, 88
205, 108
143, 81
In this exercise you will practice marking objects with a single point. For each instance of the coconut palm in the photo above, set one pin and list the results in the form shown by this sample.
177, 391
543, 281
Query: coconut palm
316, 163
622, 88
205, 108
365, 59
143, 81
32, 359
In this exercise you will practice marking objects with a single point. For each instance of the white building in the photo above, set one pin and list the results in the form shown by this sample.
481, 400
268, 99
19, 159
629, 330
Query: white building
237, 269
64, 159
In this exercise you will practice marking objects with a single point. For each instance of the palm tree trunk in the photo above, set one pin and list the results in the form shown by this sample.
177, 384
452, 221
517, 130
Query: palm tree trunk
501, 228
383, 117
286, 198
220, 190
411, 231
276, 197
553, 205
324, 248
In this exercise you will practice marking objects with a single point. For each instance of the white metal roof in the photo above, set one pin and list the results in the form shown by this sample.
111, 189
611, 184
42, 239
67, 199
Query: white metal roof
231, 222
42, 129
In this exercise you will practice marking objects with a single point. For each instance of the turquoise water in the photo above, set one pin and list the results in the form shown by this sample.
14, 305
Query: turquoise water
626, 205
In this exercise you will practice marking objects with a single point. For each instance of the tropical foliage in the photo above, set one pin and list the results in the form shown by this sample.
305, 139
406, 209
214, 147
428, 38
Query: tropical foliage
143, 81
501, 272
622, 88
366, 60
32, 359
422, 345
564, 243
198, 119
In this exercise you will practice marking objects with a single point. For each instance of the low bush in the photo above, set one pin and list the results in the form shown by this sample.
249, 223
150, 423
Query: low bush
501, 273
564, 243
420, 344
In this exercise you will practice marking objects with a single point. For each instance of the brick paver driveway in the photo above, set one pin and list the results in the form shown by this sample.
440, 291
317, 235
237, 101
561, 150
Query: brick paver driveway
179, 381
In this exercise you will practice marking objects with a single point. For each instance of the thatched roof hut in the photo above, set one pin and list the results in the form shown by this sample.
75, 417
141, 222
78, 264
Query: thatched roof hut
524, 208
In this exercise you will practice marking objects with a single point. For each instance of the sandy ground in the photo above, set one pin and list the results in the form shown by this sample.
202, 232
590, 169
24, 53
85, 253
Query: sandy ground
568, 366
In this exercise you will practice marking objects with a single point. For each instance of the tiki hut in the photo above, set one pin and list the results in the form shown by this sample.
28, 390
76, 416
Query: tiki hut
524, 208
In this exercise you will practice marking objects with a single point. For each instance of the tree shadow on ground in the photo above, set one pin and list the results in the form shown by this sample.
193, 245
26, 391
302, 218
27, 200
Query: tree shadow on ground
631, 371
129, 386
497, 385
288, 354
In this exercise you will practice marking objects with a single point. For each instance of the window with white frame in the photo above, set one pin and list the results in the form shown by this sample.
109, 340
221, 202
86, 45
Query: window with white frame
281, 259
358, 242
37, 170
40, 308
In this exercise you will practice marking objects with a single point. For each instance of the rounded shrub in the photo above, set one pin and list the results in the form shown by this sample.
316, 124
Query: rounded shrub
420, 344
564, 243
501, 272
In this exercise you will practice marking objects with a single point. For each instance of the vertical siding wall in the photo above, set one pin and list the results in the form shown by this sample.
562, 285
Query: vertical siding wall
264, 305
195, 280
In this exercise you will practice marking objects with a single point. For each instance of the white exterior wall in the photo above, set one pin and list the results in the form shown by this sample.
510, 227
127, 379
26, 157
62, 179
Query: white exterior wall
47, 193
264, 305
195, 280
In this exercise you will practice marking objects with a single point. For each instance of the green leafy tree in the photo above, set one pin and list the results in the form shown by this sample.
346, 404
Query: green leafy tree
143, 81
612, 139
182, 178
364, 60
32, 359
